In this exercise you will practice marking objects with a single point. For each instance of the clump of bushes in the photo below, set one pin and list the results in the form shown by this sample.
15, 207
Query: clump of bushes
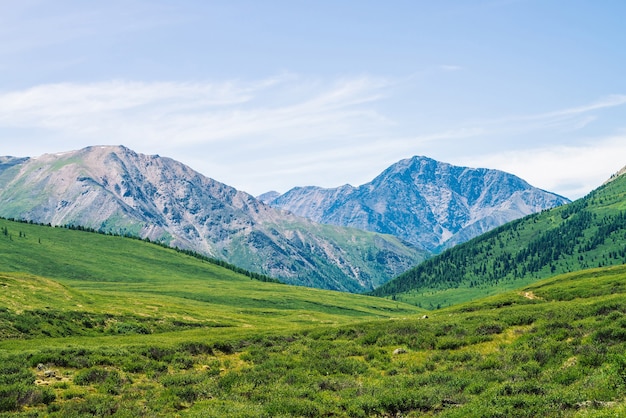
17, 388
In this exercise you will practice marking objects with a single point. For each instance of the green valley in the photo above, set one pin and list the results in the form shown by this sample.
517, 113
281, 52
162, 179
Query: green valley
96, 325
62, 270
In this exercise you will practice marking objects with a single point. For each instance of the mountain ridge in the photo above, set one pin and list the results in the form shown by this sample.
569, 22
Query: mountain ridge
428, 203
112, 188
586, 233
616, 175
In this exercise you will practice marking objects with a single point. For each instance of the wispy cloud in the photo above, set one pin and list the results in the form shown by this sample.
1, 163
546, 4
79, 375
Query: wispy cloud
290, 130
198, 111
449, 67
603, 103
571, 170
568, 119
216, 126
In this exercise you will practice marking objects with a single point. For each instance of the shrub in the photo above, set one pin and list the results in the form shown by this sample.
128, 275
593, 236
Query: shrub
158, 353
394, 401
519, 319
195, 348
182, 361
130, 328
113, 383
67, 357
135, 364
17, 395
95, 406
449, 343
12, 371
213, 368
610, 335
8, 398
591, 355
329, 366
224, 347
489, 329
74, 393
91, 376
568, 376
489, 363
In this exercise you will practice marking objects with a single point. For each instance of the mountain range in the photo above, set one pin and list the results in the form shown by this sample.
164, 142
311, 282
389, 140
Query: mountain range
113, 189
357, 238
97, 325
587, 233
431, 204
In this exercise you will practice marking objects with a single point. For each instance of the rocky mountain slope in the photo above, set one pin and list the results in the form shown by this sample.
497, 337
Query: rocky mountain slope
114, 189
431, 204
585, 234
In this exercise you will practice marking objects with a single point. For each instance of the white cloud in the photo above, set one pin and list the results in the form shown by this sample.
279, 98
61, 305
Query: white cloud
289, 130
609, 101
219, 125
571, 171
566, 119
189, 112
449, 67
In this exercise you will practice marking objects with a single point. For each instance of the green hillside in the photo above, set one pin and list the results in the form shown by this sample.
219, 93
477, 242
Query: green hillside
119, 284
186, 338
588, 233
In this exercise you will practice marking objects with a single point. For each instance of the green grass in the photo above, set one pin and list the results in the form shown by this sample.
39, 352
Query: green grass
555, 348
94, 325
99, 274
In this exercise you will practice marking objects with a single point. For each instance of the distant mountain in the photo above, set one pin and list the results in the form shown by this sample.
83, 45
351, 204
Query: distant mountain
587, 233
114, 189
268, 196
431, 204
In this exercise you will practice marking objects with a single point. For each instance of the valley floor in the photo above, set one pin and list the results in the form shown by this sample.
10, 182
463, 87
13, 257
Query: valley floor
555, 348
94, 325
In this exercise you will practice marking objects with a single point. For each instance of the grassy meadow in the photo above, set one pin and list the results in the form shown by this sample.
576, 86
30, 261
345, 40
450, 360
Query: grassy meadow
95, 325
63, 270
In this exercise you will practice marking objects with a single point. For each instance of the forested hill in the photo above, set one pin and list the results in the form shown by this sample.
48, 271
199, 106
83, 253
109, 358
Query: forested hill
590, 232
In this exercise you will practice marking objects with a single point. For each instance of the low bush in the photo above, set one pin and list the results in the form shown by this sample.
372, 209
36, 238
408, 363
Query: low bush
94, 375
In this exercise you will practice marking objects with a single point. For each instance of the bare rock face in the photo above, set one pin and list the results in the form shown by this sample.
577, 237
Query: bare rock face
113, 189
616, 175
430, 204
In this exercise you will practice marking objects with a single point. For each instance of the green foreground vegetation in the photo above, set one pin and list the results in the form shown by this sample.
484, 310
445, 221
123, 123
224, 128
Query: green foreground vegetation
93, 325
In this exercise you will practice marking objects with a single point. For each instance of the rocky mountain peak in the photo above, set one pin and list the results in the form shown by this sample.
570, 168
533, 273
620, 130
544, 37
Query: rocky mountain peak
268, 196
114, 189
426, 202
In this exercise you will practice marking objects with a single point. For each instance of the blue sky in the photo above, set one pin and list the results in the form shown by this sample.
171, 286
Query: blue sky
268, 95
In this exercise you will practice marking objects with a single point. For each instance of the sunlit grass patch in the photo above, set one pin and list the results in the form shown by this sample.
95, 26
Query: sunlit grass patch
498, 341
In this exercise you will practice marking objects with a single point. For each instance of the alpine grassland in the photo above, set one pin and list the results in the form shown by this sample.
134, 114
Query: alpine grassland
588, 233
96, 325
